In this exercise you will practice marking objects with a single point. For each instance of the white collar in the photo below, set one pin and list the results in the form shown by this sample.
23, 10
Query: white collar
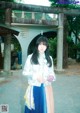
41, 55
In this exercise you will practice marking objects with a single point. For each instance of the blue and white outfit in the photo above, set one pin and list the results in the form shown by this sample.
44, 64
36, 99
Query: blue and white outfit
36, 96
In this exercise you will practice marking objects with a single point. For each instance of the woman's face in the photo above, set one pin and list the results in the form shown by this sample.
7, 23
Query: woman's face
42, 48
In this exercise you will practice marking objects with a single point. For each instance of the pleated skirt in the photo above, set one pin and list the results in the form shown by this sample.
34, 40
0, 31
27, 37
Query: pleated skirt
43, 100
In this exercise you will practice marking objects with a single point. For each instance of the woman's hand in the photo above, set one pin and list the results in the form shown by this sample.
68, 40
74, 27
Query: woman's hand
50, 78
40, 79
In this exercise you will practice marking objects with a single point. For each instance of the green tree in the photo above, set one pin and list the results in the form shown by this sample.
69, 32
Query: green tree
74, 27
65, 3
7, 0
71, 24
53, 47
2, 12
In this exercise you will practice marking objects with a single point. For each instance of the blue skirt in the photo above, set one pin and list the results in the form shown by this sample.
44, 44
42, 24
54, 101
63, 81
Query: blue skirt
39, 100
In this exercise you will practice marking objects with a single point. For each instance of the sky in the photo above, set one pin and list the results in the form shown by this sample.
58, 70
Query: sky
37, 2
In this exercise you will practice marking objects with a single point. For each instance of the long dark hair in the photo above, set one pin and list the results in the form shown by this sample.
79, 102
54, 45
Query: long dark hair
35, 55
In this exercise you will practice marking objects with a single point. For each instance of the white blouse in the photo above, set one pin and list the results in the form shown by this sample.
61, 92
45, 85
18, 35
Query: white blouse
32, 71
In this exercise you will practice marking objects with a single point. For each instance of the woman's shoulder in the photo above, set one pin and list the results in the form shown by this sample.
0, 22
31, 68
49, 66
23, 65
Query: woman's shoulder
29, 56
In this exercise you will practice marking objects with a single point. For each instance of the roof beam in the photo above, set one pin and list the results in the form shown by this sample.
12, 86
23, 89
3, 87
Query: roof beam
36, 8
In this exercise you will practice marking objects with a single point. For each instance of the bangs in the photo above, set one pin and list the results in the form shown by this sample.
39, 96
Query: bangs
44, 43
42, 40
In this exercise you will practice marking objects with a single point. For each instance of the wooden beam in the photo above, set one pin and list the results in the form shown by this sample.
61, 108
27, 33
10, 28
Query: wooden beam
36, 8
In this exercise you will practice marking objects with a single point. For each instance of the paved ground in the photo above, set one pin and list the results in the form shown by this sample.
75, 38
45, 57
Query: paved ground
66, 92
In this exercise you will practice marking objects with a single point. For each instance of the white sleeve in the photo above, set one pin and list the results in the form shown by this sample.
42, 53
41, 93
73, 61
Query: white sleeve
51, 70
27, 70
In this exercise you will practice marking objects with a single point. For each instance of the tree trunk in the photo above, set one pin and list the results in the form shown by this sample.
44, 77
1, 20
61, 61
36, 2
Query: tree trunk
65, 44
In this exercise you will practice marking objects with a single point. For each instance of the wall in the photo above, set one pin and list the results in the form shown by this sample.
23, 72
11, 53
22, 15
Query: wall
27, 33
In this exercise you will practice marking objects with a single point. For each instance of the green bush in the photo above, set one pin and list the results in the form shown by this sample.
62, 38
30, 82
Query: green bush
53, 47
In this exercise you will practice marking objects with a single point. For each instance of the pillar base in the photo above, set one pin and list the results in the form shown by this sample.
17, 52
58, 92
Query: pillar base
59, 71
6, 73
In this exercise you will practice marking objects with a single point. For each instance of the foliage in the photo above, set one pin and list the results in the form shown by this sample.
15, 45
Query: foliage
12, 0
74, 23
78, 46
2, 12
16, 44
53, 46
2, 17
72, 47
7, 0
70, 41
65, 3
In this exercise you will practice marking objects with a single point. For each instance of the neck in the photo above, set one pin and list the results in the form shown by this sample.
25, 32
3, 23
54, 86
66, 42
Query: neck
42, 55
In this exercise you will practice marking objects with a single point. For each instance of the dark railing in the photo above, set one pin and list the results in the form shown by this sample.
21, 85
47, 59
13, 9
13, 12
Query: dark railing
33, 18
31, 21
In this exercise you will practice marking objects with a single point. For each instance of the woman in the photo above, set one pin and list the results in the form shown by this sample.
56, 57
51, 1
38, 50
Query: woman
40, 73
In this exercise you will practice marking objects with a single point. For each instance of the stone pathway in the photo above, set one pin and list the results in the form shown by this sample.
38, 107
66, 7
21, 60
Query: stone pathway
73, 69
66, 91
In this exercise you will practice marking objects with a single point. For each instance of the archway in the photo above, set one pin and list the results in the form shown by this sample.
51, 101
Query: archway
16, 53
48, 34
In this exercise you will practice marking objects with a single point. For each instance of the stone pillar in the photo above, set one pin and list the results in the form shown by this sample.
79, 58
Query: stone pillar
7, 44
33, 16
7, 53
60, 42
13, 17
23, 15
43, 16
